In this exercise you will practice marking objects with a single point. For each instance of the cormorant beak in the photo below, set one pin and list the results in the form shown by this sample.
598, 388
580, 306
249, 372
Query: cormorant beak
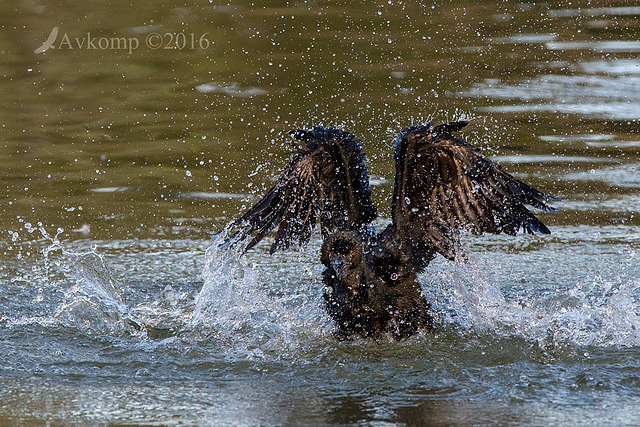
340, 267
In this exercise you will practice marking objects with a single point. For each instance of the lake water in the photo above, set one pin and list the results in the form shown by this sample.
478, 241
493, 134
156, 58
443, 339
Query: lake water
130, 134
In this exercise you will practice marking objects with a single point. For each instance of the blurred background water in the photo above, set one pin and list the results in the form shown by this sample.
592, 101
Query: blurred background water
143, 129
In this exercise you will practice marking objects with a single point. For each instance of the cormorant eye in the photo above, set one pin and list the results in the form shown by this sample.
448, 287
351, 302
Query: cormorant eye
350, 257
342, 248
394, 276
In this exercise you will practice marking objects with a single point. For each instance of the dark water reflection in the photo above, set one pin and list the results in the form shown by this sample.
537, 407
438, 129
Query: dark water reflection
143, 152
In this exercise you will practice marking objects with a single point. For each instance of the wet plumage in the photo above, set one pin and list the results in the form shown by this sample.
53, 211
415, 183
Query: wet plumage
442, 185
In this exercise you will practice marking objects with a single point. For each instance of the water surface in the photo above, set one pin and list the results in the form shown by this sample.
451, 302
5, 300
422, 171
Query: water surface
119, 163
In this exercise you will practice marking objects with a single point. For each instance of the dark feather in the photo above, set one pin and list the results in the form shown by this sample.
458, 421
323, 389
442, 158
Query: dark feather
444, 184
327, 179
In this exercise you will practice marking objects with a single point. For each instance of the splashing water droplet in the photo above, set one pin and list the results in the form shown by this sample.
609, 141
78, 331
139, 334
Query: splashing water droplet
600, 314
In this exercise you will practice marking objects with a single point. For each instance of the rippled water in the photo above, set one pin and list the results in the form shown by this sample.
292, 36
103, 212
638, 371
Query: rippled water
117, 306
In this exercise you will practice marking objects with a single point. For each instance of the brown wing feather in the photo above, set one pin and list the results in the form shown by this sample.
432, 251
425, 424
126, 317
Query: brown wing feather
326, 179
443, 184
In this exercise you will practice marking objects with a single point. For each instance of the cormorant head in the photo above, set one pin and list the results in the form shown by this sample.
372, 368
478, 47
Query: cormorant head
342, 253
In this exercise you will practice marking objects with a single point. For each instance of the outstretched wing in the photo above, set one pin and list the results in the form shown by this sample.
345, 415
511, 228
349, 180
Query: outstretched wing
444, 184
327, 179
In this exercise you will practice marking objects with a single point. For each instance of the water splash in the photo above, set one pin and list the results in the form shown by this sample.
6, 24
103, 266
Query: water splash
238, 309
596, 314
235, 311
93, 304
603, 316
247, 316
227, 280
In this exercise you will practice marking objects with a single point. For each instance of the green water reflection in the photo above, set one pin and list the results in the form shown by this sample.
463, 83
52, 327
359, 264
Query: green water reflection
78, 122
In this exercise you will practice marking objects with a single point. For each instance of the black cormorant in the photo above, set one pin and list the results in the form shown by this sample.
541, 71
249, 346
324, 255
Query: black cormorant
442, 185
